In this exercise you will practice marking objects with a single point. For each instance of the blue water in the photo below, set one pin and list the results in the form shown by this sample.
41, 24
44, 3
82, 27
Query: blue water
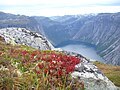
84, 49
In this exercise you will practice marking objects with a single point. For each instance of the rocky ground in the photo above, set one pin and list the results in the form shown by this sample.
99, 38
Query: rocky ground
25, 37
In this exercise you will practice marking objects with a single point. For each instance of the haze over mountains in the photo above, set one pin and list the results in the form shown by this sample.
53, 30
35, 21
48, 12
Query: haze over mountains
102, 30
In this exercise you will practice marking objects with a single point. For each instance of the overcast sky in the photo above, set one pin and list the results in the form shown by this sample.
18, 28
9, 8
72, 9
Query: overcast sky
58, 7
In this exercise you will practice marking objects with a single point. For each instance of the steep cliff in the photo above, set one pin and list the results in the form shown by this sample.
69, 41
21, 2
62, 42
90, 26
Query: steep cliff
104, 32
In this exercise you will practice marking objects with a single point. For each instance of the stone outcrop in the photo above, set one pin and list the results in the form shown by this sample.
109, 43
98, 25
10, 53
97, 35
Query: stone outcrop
2, 39
92, 77
25, 37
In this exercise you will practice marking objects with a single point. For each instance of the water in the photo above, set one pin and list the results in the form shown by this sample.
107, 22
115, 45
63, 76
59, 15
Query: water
84, 49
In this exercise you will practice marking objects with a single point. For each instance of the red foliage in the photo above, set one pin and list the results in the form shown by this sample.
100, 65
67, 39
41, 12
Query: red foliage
58, 63
24, 52
0, 53
41, 65
51, 62
59, 73
70, 68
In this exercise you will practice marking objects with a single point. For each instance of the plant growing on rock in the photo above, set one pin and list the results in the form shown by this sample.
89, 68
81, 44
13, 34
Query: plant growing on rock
37, 70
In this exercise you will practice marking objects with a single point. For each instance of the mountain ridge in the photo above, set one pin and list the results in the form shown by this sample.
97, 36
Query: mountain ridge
22, 21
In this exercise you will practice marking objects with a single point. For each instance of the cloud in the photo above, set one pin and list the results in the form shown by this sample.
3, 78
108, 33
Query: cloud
63, 11
56, 2
58, 7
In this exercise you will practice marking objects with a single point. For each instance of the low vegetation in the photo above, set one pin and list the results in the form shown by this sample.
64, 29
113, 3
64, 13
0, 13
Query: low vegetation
112, 72
24, 68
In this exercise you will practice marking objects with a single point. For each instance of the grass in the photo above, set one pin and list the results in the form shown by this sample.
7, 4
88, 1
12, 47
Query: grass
112, 72
26, 68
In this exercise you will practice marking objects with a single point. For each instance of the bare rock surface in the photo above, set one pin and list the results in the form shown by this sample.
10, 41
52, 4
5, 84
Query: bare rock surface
25, 37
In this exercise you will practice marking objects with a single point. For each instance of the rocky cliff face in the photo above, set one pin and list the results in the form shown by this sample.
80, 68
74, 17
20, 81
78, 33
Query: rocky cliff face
104, 32
25, 37
93, 78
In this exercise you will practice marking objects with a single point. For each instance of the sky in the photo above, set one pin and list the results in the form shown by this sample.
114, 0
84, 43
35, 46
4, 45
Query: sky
59, 7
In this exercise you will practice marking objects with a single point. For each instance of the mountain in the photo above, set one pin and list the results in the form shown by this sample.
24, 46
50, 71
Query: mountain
11, 20
62, 28
104, 32
24, 67
101, 30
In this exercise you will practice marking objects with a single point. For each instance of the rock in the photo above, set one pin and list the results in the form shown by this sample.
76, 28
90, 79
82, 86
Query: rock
25, 37
92, 77
2, 39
